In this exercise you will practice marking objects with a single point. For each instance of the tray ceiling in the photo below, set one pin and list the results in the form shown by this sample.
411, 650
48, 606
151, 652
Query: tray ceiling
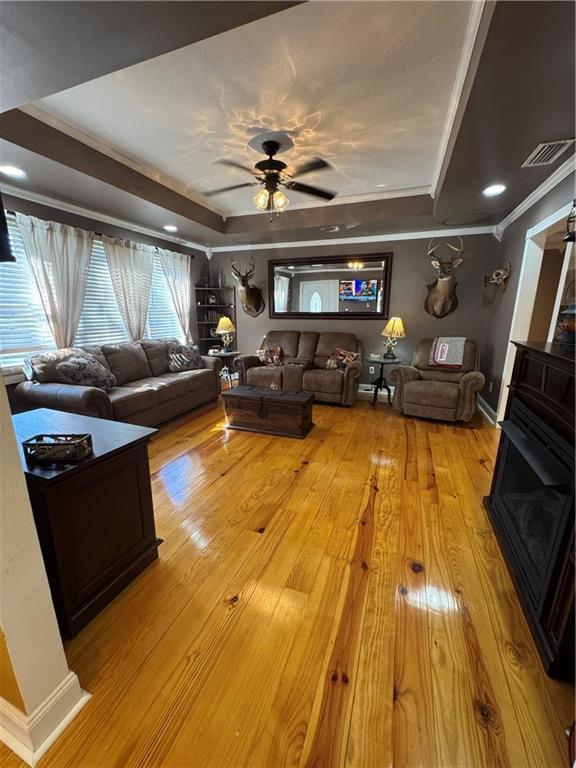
367, 86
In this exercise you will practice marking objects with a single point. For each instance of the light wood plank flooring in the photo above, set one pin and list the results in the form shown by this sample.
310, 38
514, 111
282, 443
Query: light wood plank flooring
336, 602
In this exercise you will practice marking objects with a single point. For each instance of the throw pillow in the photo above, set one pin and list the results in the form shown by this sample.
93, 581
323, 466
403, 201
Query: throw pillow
272, 356
183, 357
85, 371
340, 359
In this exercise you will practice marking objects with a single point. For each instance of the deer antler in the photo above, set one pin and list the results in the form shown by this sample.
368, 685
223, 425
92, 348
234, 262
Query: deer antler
459, 249
432, 249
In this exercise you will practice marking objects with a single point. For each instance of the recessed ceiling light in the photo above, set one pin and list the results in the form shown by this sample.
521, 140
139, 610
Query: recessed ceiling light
493, 190
170, 228
381, 185
291, 267
12, 171
317, 265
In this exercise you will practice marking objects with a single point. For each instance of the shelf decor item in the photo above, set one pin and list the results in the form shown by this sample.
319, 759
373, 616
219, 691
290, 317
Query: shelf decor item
393, 331
226, 330
47, 449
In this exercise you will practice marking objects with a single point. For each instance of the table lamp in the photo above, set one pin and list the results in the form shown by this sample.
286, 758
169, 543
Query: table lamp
226, 330
393, 331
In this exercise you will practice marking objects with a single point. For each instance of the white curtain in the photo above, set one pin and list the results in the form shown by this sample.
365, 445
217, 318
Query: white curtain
131, 266
59, 257
176, 268
281, 287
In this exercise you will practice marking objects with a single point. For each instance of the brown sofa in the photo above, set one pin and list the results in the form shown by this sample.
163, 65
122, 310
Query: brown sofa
438, 393
147, 393
304, 357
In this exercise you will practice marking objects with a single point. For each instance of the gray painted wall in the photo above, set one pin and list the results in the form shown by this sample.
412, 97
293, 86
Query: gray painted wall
512, 249
411, 272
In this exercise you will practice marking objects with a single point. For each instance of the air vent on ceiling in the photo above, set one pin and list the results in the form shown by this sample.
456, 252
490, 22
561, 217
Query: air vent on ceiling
547, 153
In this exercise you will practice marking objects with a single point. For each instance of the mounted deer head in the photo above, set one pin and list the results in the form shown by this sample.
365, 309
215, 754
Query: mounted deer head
441, 299
250, 295
499, 277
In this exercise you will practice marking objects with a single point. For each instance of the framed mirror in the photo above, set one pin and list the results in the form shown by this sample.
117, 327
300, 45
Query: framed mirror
337, 287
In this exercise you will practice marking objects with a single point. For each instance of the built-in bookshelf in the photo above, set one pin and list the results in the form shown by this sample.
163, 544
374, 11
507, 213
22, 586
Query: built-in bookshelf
210, 304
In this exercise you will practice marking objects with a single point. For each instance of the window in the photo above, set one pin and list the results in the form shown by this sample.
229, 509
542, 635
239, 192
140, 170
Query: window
162, 318
100, 321
23, 325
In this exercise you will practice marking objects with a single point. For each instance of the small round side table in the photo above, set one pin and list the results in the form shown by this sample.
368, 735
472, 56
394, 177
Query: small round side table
227, 358
380, 382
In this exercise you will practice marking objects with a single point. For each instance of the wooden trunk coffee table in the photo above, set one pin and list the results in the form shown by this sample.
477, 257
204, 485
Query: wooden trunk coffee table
272, 411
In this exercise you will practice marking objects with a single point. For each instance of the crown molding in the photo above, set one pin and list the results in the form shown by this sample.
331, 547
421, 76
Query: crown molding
548, 185
387, 238
88, 213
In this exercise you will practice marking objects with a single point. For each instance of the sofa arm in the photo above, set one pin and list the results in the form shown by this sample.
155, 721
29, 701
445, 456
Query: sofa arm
351, 382
243, 363
400, 376
469, 385
212, 363
87, 401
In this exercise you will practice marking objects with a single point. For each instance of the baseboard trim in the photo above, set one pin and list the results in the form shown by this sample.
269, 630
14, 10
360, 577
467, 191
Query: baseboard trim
30, 736
487, 411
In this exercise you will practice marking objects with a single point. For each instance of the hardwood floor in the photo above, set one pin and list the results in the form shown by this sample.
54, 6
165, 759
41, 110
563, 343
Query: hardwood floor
339, 601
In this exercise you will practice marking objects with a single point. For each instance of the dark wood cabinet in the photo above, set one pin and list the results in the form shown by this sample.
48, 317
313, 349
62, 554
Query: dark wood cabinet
531, 502
95, 520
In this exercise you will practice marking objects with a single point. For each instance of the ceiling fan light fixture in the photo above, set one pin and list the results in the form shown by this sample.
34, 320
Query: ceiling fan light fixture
261, 199
280, 200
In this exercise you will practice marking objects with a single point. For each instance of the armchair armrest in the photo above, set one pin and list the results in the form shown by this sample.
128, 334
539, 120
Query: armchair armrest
87, 401
468, 385
212, 363
351, 382
400, 376
243, 363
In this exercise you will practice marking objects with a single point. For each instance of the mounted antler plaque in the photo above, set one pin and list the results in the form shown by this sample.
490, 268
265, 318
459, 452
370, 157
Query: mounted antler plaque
250, 295
442, 299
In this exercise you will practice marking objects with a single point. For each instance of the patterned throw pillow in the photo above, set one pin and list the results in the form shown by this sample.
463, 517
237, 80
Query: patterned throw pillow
84, 370
183, 357
272, 356
340, 359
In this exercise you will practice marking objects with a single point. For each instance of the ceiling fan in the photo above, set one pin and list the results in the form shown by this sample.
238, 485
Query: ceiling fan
271, 175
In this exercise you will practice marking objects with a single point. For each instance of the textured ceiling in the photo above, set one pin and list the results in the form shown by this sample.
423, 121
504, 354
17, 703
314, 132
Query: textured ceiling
364, 85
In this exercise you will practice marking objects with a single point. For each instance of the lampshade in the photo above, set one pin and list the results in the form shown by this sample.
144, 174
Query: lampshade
261, 199
394, 329
225, 325
280, 200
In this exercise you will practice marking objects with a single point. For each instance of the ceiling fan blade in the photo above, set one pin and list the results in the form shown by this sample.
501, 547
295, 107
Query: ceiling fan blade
314, 165
228, 189
234, 164
315, 191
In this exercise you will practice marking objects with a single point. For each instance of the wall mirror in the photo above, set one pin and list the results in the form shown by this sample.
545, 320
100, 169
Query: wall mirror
336, 287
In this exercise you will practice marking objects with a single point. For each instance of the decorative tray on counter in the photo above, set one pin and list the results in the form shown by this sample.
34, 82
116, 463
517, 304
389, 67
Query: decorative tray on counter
47, 449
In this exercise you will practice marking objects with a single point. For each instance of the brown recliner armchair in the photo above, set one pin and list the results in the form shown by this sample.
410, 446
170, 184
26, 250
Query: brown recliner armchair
433, 392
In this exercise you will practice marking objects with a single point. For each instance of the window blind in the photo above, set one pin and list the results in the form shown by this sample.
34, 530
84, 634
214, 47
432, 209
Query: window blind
23, 325
162, 318
100, 321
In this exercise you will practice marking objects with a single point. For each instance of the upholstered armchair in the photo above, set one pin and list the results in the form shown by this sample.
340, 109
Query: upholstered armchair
434, 392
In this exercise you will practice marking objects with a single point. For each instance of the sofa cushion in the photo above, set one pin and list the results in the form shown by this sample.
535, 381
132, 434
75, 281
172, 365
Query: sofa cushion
265, 376
183, 357
422, 356
129, 400
307, 345
127, 361
437, 394
84, 370
317, 380
156, 351
166, 387
96, 352
197, 379
288, 340
43, 368
329, 341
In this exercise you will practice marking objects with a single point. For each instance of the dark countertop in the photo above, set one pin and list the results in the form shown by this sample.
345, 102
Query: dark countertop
108, 437
562, 351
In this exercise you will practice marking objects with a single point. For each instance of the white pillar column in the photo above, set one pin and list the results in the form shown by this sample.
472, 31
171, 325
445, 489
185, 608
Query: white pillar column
50, 693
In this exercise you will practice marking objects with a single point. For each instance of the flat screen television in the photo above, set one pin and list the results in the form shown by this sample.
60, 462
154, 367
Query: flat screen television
358, 290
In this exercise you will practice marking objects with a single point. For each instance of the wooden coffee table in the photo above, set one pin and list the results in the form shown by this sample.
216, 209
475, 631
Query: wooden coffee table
271, 411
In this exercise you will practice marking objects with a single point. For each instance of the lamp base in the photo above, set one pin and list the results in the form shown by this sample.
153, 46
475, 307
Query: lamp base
389, 355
